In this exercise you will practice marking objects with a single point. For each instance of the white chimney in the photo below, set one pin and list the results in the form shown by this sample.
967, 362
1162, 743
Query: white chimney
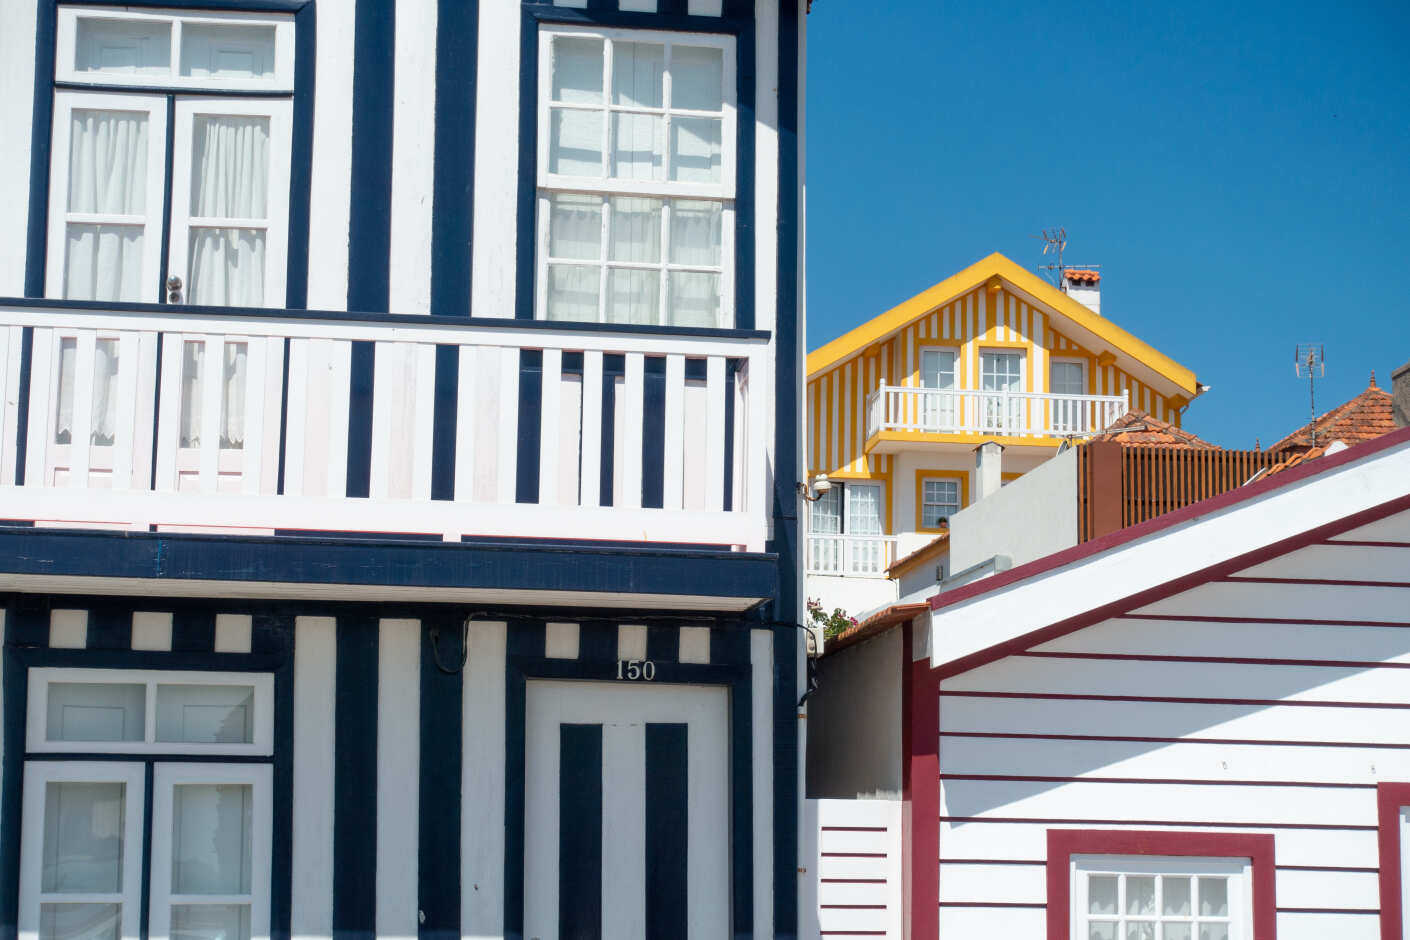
988, 470
1084, 285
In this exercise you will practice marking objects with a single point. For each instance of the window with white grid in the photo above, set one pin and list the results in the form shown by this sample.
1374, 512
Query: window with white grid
940, 499
1160, 898
636, 169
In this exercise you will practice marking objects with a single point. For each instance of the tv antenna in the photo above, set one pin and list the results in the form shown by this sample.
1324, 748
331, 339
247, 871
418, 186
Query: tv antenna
1054, 241
1310, 363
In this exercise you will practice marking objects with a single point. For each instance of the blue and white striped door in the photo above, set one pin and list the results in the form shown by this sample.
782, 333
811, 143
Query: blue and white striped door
626, 829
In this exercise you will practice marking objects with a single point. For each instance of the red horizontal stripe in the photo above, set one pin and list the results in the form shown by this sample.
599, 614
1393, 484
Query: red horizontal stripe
1025, 736
1179, 700
1337, 868
852, 907
1301, 621
1176, 823
1020, 778
1228, 660
852, 881
1038, 862
1327, 582
1365, 544
1022, 905
851, 933
853, 828
1330, 910
852, 854
992, 861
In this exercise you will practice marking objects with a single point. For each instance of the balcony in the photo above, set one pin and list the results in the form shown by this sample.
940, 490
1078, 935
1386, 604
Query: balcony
155, 418
851, 556
1000, 414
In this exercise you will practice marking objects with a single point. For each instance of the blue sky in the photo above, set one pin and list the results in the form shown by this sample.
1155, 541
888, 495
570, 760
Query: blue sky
1241, 172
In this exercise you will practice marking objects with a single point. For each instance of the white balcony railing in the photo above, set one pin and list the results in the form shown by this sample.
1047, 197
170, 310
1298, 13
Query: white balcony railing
545, 446
1013, 414
851, 556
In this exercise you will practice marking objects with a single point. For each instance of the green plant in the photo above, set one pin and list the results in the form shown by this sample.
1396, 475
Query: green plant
833, 624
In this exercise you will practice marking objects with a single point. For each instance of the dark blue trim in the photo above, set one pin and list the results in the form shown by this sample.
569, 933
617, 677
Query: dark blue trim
263, 6
667, 834
370, 216
526, 467
157, 413
614, 367
362, 376
787, 422
168, 90
729, 647
27, 622
40, 147
741, 733
445, 412
597, 641
653, 433
109, 628
301, 164
523, 640
22, 424
169, 158
355, 780
453, 183
11, 783
663, 643
281, 869
580, 832
144, 916
283, 415
182, 315
147, 659
193, 631
731, 378
438, 840
672, 8
739, 26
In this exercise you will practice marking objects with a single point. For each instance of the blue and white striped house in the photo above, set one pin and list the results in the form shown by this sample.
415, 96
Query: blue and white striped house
399, 461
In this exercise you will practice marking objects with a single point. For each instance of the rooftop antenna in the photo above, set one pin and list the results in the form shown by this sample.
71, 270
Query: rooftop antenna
1310, 363
1054, 241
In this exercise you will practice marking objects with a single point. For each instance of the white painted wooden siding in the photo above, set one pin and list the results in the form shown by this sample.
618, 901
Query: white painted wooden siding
1238, 706
852, 851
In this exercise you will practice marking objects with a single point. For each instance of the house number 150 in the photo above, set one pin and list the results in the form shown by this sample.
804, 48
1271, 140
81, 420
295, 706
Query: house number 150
636, 669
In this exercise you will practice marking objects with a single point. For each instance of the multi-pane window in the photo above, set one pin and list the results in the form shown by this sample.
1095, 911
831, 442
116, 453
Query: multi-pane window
940, 499
937, 371
636, 177
226, 197
1067, 378
999, 372
89, 827
1150, 898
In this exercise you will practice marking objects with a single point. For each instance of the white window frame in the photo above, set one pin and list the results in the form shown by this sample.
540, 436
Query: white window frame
1059, 360
275, 224
1239, 871
1020, 354
65, 51
37, 776
954, 366
38, 701
549, 184
848, 492
66, 101
167, 776
924, 503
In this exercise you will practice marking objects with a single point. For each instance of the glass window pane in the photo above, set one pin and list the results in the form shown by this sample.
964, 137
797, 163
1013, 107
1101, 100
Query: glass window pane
206, 714
232, 416
573, 292
637, 69
697, 78
227, 50
80, 921
1175, 896
575, 142
1175, 930
193, 360
638, 146
103, 262
211, 826
210, 922
697, 229
96, 711
63, 412
827, 512
1099, 930
1140, 894
863, 509
696, 150
636, 230
108, 161
1101, 894
1140, 930
83, 833
937, 368
577, 70
633, 296
229, 166
574, 226
131, 47
1213, 932
695, 299
227, 267
1214, 897
1067, 379
105, 392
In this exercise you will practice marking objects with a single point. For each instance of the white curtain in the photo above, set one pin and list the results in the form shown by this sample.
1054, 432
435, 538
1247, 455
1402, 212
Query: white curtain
233, 385
63, 414
229, 180
108, 176
634, 294
105, 391
696, 239
193, 360
696, 148
863, 509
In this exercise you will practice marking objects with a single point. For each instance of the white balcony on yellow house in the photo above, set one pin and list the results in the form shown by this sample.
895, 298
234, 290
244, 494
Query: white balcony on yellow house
1001, 413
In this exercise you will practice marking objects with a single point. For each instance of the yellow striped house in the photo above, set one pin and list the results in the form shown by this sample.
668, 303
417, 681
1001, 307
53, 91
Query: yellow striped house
896, 407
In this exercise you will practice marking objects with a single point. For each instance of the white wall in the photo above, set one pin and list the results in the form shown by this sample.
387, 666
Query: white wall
1029, 518
1277, 727
16, 116
855, 596
856, 845
854, 722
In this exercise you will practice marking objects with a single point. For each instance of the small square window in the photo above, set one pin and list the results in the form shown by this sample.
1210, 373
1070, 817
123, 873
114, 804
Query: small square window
940, 499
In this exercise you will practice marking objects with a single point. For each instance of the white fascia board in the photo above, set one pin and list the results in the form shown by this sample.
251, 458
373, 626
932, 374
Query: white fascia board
1016, 610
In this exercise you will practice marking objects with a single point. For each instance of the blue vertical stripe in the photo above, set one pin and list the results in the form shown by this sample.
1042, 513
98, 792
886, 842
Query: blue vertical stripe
11, 777
438, 887
193, 630
301, 167
667, 832
169, 158
109, 628
370, 214
355, 779
443, 421
361, 383
663, 643
614, 367
526, 483
144, 915
281, 868
653, 433
22, 425
731, 377
453, 185
528, 170
524, 640
580, 832
46, 25
597, 641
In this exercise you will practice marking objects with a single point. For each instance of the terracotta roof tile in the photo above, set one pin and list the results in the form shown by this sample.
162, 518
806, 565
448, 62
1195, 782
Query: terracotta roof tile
1364, 418
876, 624
1080, 276
1136, 428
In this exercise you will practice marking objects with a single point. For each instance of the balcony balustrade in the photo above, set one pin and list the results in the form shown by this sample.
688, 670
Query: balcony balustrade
851, 556
183, 419
1011, 414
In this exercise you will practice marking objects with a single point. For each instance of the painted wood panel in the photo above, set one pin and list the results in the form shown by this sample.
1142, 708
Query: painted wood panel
854, 867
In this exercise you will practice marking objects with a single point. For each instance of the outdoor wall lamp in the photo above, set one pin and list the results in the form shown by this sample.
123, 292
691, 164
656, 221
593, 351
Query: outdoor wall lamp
820, 485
